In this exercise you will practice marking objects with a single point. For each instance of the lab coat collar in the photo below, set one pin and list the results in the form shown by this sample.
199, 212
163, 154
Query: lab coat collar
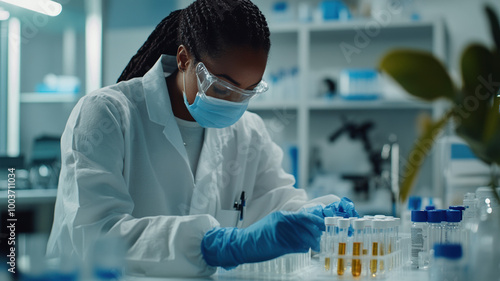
156, 92
158, 102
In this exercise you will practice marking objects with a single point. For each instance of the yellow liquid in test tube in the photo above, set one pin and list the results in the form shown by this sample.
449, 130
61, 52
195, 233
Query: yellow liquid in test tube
382, 261
327, 264
340, 264
356, 263
373, 263
389, 250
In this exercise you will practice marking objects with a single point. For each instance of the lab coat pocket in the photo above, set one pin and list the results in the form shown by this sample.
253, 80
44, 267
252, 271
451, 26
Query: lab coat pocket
228, 218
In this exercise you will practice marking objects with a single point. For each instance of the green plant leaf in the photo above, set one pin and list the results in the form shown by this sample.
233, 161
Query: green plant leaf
473, 104
419, 73
493, 120
418, 153
494, 25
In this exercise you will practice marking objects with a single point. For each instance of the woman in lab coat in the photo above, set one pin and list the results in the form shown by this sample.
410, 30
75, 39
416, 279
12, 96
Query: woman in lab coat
162, 158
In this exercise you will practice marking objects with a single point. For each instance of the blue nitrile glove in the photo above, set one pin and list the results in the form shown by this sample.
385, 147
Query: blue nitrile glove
276, 234
343, 208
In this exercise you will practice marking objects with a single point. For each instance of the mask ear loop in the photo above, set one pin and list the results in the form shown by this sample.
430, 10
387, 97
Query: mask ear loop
184, 82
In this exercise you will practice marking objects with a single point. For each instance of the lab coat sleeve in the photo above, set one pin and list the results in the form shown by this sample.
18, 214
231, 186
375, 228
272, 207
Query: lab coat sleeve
274, 188
96, 201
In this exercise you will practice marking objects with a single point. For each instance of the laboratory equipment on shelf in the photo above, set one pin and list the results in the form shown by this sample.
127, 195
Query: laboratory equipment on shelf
359, 84
384, 162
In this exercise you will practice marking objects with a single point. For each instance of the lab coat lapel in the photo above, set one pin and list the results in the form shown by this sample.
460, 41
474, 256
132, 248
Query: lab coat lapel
209, 175
158, 102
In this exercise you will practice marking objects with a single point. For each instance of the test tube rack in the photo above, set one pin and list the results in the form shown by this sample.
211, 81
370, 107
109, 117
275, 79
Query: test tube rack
283, 268
371, 266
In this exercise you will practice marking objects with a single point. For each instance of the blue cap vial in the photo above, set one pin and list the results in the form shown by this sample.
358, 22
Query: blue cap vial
418, 216
449, 251
436, 216
430, 207
453, 215
460, 208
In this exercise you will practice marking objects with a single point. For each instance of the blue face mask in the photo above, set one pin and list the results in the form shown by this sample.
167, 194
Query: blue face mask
212, 112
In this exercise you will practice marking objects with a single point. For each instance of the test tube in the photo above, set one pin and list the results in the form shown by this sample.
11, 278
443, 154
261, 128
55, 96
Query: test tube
367, 239
342, 245
452, 230
391, 240
357, 246
397, 223
377, 248
330, 230
350, 235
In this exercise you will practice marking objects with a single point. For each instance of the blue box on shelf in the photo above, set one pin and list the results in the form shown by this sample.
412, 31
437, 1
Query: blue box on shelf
334, 10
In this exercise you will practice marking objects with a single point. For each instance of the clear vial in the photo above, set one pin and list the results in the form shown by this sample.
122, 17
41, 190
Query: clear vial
452, 230
357, 246
419, 231
328, 244
470, 207
434, 219
342, 246
367, 239
468, 219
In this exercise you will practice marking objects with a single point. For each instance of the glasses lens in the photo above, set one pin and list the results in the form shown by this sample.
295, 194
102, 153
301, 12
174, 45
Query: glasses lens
217, 88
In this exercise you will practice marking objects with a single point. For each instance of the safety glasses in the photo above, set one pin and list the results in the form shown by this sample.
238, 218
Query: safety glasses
213, 86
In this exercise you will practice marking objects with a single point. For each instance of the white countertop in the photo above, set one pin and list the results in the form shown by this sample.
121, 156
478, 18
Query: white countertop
406, 274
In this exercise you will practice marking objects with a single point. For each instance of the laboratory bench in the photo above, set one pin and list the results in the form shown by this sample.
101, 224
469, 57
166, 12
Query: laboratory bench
405, 274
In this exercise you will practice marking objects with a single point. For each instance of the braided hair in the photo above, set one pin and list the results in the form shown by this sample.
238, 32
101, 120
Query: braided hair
205, 28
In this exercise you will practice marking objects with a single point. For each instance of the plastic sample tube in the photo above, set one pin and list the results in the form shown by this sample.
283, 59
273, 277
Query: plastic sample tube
452, 230
391, 240
418, 237
357, 246
342, 245
330, 230
377, 247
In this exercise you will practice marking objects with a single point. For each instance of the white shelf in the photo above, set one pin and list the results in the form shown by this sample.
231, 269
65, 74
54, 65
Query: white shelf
362, 105
315, 52
345, 25
271, 105
30, 196
49, 98
339, 104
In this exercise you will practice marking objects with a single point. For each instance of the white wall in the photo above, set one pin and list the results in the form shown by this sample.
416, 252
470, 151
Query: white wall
465, 20
119, 45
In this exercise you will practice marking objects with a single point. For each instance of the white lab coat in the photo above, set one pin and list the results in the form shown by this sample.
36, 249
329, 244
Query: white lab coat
126, 172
